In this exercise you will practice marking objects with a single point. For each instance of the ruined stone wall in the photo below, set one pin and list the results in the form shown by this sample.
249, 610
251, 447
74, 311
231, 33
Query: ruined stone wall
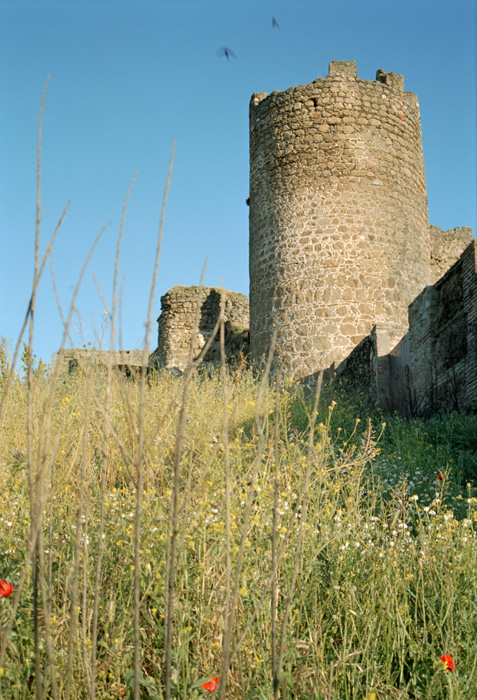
176, 324
443, 339
446, 248
71, 359
377, 371
434, 366
401, 395
339, 233
359, 371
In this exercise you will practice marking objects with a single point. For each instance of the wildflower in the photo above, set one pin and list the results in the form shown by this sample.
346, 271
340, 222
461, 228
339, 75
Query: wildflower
448, 662
211, 685
6, 589
440, 476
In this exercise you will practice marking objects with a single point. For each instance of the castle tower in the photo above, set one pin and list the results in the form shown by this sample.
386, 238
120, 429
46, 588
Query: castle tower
339, 234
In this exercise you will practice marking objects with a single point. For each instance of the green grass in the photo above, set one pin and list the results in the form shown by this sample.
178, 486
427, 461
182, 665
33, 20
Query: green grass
354, 565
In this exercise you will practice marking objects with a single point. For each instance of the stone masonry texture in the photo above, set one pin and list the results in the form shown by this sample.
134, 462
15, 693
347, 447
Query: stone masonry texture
434, 366
178, 317
446, 248
339, 233
443, 338
71, 359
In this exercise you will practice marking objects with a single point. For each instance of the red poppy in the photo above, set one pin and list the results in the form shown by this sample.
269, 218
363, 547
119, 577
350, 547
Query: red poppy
211, 685
439, 476
448, 662
6, 589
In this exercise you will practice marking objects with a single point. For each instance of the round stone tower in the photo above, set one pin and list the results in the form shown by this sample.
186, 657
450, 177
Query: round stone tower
339, 233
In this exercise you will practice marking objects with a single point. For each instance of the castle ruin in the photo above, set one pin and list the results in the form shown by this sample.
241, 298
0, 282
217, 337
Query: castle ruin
341, 249
339, 233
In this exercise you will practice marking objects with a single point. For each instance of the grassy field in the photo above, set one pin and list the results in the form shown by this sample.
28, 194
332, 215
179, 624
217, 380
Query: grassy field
165, 533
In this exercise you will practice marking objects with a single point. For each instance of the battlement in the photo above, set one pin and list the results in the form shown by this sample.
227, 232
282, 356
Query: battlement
344, 71
392, 80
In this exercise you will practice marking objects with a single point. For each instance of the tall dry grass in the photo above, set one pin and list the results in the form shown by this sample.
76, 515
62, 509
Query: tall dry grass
290, 573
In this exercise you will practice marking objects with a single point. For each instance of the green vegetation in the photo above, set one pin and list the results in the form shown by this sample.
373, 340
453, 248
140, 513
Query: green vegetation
293, 553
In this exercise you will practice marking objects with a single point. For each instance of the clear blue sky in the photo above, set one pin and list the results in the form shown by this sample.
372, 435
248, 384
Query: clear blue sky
127, 78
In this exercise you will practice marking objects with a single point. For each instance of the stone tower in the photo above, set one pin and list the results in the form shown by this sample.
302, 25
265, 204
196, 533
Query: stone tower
339, 233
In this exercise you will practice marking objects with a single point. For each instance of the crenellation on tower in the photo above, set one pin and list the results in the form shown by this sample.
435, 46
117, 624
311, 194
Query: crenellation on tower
392, 80
257, 97
343, 70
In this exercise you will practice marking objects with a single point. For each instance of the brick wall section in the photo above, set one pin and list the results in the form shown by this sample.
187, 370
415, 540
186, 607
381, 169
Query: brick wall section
339, 233
443, 339
176, 323
446, 248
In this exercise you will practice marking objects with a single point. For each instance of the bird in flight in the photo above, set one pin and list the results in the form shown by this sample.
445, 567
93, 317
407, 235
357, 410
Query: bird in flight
225, 51
275, 23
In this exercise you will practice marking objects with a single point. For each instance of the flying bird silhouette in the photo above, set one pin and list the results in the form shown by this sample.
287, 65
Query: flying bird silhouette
275, 23
225, 51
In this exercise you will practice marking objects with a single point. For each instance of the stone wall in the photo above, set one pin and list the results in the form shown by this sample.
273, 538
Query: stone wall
401, 395
377, 371
339, 233
71, 359
359, 371
443, 339
446, 248
340, 249
178, 316
434, 366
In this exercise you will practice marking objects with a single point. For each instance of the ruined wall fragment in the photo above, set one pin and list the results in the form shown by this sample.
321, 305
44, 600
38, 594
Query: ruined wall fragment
177, 320
446, 248
443, 339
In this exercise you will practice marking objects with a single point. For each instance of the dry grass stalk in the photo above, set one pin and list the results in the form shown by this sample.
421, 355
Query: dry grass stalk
277, 669
140, 454
231, 603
